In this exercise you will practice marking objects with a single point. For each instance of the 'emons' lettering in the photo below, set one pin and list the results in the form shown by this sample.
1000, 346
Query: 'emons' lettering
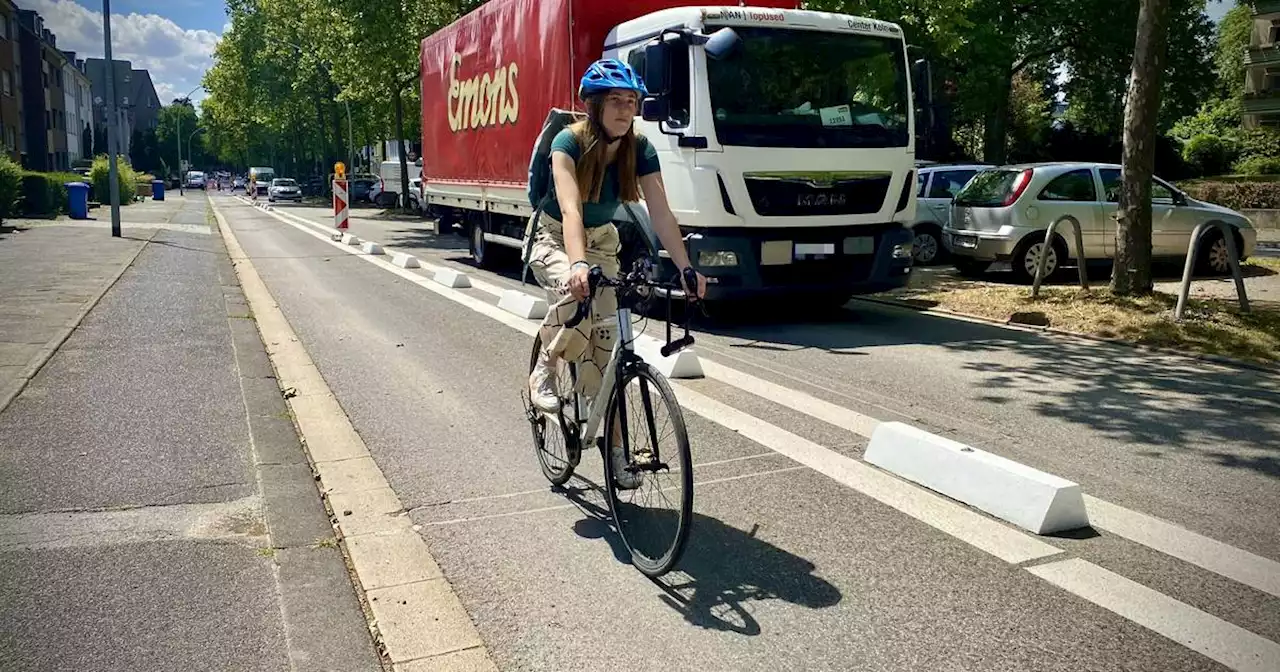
486, 100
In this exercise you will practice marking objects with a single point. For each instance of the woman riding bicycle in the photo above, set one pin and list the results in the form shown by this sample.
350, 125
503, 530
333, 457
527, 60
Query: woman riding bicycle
596, 164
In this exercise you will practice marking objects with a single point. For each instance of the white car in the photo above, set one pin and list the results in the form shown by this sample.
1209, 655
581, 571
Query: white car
1002, 215
284, 189
936, 185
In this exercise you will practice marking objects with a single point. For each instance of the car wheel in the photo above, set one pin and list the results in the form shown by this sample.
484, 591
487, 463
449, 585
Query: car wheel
1213, 257
1027, 256
927, 248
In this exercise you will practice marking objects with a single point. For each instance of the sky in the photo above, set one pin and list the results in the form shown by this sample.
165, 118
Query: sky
174, 39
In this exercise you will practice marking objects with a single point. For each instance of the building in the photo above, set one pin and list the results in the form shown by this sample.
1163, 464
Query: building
1262, 67
137, 103
79, 97
43, 98
13, 132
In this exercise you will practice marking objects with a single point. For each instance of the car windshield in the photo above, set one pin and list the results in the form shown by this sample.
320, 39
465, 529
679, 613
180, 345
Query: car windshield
284, 183
988, 188
797, 88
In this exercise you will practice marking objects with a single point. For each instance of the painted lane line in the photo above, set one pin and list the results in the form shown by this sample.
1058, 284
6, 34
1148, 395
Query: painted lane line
812, 406
1203, 633
973, 528
393, 570
1234, 563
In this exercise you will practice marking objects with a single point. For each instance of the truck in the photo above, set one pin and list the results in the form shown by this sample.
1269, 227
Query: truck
262, 176
786, 137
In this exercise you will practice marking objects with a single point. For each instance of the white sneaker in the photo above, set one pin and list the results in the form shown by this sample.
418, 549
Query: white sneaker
626, 480
542, 386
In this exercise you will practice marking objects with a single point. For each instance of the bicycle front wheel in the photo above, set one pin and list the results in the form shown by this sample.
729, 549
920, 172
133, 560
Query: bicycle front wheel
650, 490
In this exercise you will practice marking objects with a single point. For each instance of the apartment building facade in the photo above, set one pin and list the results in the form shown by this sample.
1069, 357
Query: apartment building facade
78, 94
1261, 103
137, 104
12, 128
44, 100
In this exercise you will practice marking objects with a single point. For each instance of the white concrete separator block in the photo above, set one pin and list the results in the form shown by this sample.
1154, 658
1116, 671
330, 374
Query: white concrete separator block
526, 306
1027, 497
451, 278
371, 247
350, 239
683, 364
405, 260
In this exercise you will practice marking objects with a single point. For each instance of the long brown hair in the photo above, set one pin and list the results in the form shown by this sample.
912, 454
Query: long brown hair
591, 161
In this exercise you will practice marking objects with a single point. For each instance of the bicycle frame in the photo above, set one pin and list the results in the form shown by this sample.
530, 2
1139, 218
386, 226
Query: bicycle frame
612, 373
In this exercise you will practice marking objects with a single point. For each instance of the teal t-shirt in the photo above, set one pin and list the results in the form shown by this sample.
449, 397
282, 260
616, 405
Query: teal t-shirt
601, 213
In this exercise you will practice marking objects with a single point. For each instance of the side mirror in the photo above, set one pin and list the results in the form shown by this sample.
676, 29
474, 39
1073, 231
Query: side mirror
657, 67
655, 108
1179, 198
722, 43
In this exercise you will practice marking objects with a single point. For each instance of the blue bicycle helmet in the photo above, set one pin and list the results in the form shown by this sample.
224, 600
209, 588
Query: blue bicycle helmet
610, 73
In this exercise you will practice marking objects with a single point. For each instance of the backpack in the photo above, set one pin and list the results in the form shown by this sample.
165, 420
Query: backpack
540, 173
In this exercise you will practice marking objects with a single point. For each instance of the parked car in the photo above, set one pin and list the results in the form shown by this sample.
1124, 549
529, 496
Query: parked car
359, 186
415, 195
936, 185
1002, 215
194, 180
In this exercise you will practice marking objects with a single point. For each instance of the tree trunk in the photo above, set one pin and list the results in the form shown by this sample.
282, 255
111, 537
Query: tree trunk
404, 161
1132, 274
997, 122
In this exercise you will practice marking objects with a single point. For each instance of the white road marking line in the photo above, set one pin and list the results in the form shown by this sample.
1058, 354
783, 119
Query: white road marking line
960, 522
599, 498
1206, 634
796, 400
1234, 563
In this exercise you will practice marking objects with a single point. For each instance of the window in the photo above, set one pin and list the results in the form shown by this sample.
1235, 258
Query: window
921, 179
4, 28
6, 81
1111, 187
948, 183
1076, 185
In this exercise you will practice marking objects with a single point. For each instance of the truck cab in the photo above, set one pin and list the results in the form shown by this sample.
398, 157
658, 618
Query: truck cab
787, 145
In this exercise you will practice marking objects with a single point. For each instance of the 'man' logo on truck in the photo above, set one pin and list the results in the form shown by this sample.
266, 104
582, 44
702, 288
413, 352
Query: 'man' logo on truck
487, 100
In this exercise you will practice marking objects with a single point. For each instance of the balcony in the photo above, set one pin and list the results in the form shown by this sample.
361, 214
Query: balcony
1269, 55
1265, 7
1262, 102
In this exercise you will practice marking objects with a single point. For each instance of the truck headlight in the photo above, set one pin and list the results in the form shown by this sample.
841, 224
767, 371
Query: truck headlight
718, 258
902, 251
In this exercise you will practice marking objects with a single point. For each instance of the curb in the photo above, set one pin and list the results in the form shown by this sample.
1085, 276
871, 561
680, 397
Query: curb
52, 345
390, 565
1018, 326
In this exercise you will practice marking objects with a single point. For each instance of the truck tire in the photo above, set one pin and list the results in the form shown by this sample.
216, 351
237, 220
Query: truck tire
481, 251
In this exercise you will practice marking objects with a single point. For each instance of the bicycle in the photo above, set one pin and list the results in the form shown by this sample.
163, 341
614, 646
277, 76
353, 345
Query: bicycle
573, 422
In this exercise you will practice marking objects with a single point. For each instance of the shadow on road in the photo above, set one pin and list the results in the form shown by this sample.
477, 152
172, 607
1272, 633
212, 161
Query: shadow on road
722, 569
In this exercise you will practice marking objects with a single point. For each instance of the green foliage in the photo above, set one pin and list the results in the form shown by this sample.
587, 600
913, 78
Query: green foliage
1237, 194
100, 177
45, 194
10, 188
1216, 116
1210, 154
1261, 143
1258, 165
1232, 39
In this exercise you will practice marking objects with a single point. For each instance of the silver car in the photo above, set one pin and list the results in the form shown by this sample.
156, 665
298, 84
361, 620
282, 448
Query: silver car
284, 189
1002, 214
936, 185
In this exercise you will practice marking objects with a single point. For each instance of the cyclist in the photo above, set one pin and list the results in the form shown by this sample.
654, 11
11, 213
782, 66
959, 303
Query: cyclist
596, 164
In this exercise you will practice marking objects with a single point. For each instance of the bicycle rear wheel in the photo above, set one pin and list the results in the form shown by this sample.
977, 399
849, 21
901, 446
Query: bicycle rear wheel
555, 437
653, 518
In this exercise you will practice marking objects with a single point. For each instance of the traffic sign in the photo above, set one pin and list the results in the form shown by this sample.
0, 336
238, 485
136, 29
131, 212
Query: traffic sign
340, 210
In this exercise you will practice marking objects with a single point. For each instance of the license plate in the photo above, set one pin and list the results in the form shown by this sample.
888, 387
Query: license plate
814, 249
860, 245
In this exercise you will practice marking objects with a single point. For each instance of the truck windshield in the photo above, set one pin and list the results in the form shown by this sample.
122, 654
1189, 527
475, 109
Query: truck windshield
798, 88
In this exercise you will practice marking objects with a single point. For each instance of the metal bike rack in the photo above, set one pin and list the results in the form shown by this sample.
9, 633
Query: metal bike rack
1048, 242
1233, 260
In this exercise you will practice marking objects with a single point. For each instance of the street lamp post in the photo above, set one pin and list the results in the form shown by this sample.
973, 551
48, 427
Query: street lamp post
113, 172
178, 119
189, 137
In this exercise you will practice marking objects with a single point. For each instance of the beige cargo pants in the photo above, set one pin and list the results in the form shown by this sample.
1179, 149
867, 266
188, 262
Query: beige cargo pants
590, 343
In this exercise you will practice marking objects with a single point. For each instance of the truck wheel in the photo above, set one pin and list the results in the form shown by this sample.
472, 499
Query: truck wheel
481, 252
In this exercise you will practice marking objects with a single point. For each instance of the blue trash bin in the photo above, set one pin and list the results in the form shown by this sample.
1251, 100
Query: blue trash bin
157, 190
78, 195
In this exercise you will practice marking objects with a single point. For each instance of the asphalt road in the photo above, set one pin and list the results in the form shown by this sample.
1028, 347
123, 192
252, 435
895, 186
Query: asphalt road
787, 566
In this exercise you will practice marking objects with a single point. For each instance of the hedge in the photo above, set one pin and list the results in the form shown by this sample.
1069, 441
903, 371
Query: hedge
10, 188
100, 177
45, 194
1237, 194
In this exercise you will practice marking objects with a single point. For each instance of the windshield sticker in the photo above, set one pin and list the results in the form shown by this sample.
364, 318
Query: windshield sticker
839, 115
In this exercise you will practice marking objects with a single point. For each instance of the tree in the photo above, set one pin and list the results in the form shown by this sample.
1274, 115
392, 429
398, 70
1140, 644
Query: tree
1132, 274
1232, 40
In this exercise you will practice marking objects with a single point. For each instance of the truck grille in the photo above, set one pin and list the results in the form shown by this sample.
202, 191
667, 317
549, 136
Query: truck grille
791, 194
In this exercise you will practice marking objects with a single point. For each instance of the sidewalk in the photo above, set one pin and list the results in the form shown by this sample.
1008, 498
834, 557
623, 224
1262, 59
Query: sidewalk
157, 511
